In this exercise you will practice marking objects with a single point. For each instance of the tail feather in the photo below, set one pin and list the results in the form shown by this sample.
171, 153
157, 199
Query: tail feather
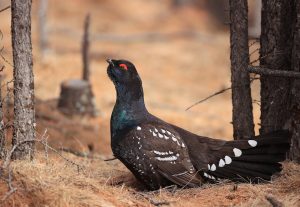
261, 158
271, 149
256, 159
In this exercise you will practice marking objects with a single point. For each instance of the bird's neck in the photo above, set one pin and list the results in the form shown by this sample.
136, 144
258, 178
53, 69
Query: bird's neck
129, 109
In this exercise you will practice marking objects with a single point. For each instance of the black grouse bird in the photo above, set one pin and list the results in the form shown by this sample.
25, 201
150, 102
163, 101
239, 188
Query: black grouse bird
160, 154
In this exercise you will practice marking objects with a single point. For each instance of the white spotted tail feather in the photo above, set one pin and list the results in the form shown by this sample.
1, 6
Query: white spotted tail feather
255, 159
242, 160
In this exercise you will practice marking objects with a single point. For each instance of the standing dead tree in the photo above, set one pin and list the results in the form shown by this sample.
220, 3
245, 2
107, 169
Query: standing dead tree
24, 113
85, 49
242, 117
275, 54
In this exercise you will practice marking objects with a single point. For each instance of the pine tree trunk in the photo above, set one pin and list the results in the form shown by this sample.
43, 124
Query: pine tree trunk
243, 126
295, 91
2, 130
275, 53
24, 114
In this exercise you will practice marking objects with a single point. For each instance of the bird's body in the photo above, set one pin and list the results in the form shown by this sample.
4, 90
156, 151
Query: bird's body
159, 153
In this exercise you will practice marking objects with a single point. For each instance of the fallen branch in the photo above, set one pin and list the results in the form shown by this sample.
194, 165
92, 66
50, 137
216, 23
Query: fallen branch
271, 72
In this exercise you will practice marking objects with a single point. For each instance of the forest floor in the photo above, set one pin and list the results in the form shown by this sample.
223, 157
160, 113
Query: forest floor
182, 55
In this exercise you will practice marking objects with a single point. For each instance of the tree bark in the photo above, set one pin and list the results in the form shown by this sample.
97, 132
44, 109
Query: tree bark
275, 53
85, 49
295, 90
24, 113
242, 118
2, 127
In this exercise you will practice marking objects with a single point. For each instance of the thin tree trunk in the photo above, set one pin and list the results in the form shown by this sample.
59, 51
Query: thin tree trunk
2, 130
24, 114
242, 118
295, 91
85, 49
275, 53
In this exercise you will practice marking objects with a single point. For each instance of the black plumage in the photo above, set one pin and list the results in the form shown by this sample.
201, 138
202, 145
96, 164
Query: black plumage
159, 153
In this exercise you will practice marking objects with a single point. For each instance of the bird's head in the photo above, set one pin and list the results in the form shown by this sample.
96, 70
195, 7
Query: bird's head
122, 72
125, 78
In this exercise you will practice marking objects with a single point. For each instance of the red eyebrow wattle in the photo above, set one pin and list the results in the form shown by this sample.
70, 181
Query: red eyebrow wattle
123, 66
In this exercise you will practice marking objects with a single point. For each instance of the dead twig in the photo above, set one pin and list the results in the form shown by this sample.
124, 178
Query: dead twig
110, 159
10, 186
79, 167
7, 161
208, 97
216, 93
5, 8
271, 72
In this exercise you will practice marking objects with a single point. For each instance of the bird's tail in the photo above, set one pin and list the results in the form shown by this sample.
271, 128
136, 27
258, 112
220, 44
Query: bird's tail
253, 160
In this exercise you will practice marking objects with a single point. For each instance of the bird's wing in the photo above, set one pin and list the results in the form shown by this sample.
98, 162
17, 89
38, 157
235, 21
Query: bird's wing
168, 152
238, 160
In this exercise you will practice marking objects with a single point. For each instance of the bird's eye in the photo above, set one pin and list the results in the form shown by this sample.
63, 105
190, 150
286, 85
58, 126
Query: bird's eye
124, 66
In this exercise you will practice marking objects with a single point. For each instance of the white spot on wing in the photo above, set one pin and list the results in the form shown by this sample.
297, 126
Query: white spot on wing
163, 131
169, 133
237, 152
155, 130
171, 158
252, 143
160, 135
138, 128
208, 166
182, 145
154, 134
228, 160
166, 137
221, 163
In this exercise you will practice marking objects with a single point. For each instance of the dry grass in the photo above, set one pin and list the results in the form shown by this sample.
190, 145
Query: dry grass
55, 182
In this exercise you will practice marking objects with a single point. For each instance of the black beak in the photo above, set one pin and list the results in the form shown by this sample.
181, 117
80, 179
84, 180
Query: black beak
110, 61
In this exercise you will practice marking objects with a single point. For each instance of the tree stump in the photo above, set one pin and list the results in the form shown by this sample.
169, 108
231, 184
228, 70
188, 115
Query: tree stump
76, 98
